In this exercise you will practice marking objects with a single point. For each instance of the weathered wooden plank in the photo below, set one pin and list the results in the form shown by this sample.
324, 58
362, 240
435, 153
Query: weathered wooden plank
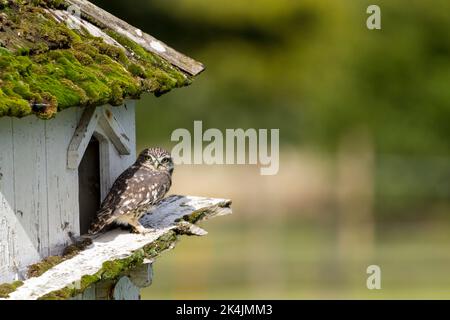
115, 132
142, 276
106, 20
125, 289
62, 183
65, 16
117, 162
112, 163
105, 162
117, 245
83, 133
115, 128
30, 171
7, 204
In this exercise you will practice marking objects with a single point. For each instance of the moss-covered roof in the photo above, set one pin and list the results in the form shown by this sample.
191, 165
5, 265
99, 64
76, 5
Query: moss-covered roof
46, 67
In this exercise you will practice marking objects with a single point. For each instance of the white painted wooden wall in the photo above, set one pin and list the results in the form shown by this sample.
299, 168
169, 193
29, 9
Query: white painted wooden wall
38, 193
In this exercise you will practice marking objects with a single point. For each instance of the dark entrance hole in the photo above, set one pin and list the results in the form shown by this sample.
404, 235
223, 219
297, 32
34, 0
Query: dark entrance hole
89, 185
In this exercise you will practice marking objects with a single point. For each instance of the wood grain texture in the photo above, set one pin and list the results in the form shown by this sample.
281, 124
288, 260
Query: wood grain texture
83, 133
104, 19
39, 204
64, 16
62, 183
30, 185
118, 245
115, 132
7, 203
118, 163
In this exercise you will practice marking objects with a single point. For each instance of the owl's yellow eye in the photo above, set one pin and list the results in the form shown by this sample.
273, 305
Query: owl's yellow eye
165, 160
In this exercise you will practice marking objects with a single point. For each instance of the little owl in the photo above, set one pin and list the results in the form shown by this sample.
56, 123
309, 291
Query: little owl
136, 192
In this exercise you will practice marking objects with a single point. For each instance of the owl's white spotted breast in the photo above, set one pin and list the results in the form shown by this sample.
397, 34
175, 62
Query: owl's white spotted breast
133, 194
139, 193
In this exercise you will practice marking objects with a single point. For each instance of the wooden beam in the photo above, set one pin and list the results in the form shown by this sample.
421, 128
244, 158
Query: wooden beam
63, 16
82, 137
104, 19
90, 120
114, 131
118, 246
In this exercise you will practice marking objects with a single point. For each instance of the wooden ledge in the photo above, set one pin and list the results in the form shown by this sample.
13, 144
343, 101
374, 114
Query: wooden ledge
115, 253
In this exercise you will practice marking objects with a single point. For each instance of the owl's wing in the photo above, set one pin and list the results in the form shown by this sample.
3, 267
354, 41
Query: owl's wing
105, 214
144, 189
159, 186
131, 193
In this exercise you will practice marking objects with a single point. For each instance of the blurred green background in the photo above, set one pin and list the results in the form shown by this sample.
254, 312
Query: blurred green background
365, 153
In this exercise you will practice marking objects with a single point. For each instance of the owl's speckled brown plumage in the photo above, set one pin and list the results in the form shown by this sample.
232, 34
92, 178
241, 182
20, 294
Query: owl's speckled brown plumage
136, 191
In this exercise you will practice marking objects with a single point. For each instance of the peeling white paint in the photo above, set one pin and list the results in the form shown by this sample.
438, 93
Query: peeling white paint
157, 46
38, 193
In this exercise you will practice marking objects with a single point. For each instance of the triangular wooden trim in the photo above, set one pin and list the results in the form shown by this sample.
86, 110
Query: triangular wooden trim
83, 133
114, 131
92, 118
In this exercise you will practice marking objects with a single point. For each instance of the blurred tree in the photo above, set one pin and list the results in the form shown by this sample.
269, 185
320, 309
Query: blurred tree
311, 68
314, 70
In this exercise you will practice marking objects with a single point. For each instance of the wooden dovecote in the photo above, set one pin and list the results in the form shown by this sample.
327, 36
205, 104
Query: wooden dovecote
67, 131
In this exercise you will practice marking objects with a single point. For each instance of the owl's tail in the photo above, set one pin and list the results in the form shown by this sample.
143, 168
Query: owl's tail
101, 223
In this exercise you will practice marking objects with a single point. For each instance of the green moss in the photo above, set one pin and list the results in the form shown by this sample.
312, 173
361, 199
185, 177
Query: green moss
46, 67
8, 288
160, 76
78, 246
63, 294
165, 242
194, 217
87, 281
38, 269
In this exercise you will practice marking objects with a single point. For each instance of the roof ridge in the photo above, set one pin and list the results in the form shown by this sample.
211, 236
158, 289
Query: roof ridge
104, 19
